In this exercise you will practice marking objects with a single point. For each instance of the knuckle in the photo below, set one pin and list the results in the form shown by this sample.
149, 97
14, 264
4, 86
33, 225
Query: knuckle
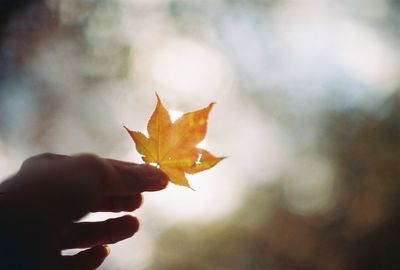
88, 157
97, 167
36, 158
92, 161
46, 155
27, 162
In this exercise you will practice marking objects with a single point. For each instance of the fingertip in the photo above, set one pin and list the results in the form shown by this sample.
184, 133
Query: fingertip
87, 259
138, 224
154, 177
134, 203
164, 180
107, 249
132, 224
101, 251
125, 227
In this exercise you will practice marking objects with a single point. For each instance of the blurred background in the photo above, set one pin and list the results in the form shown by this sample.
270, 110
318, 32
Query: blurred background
308, 112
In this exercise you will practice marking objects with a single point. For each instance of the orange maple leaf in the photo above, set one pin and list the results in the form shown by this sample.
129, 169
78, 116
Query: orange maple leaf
172, 145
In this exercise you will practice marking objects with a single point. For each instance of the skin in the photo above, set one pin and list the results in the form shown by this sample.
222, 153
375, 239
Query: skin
41, 205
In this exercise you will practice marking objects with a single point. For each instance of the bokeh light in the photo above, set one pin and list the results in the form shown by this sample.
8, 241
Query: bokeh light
307, 112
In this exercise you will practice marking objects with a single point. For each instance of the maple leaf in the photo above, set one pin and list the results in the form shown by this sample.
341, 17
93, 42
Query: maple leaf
173, 145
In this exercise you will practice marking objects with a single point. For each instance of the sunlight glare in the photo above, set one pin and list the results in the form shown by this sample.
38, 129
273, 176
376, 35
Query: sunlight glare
186, 65
175, 115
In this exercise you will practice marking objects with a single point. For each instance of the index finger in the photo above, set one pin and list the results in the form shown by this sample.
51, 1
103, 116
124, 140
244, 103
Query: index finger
119, 178
135, 178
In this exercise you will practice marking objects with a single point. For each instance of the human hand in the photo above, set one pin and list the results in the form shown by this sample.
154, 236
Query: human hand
40, 205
